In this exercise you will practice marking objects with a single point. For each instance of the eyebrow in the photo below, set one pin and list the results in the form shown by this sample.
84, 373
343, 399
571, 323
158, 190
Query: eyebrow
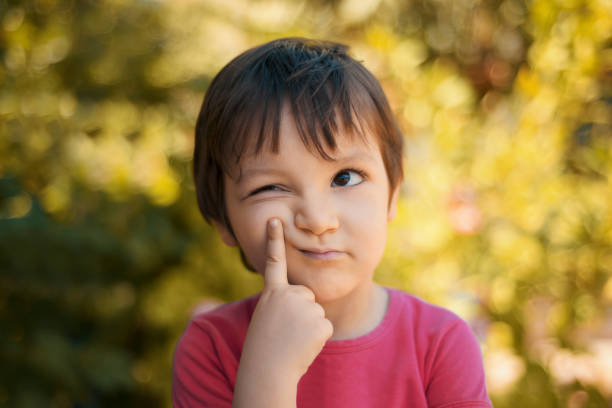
359, 156
255, 171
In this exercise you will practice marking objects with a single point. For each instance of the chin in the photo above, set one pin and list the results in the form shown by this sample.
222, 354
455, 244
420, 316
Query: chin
330, 291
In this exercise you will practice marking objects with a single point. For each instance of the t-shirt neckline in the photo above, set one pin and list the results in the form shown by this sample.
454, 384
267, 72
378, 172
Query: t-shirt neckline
371, 338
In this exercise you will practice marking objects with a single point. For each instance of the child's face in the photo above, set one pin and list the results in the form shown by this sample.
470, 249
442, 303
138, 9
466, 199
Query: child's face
334, 218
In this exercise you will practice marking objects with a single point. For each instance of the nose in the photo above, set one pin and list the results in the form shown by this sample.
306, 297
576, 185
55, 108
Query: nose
316, 214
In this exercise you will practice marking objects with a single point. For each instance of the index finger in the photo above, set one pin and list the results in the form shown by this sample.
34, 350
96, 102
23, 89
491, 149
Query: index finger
275, 274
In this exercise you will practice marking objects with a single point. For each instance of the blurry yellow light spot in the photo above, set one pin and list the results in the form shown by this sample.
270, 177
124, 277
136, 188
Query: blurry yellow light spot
452, 92
503, 293
272, 15
550, 57
431, 233
192, 30
55, 197
50, 52
503, 369
542, 107
418, 112
161, 303
38, 142
119, 184
500, 336
381, 38
408, 55
585, 52
352, 11
15, 58
560, 261
557, 316
566, 227
584, 307
528, 256
507, 244
182, 144
447, 269
586, 263
105, 71
18, 206
164, 190
607, 291
13, 19
67, 105
441, 36
527, 82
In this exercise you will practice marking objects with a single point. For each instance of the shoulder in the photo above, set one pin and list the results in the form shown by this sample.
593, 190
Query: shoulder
227, 323
227, 317
207, 354
448, 352
433, 327
425, 318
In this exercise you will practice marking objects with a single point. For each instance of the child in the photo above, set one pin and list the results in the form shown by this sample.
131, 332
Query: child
297, 162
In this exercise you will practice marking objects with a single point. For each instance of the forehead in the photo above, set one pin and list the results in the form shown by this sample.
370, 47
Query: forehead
347, 143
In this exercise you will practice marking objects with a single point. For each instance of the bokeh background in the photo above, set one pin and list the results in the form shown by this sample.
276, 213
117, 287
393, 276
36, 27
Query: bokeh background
505, 215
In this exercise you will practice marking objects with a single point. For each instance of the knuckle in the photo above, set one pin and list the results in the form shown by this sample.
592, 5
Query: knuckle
327, 327
302, 290
274, 292
307, 292
270, 258
320, 310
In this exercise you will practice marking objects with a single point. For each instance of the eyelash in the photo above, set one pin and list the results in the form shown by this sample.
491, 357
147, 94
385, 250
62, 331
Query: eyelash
270, 187
359, 172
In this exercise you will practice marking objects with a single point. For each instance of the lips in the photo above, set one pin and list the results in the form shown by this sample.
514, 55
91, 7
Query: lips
322, 254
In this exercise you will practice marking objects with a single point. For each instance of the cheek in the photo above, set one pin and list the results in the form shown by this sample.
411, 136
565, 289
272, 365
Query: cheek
367, 211
250, 229
365, 221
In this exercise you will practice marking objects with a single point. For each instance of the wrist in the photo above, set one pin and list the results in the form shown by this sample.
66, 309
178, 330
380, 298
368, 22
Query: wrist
265, 386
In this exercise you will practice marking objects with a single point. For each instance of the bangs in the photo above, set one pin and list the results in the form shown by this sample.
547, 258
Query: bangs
322, 90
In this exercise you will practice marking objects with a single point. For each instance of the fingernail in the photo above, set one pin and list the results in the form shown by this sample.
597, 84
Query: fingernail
274, 223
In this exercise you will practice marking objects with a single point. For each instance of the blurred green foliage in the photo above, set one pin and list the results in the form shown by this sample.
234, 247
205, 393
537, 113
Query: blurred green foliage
505, 218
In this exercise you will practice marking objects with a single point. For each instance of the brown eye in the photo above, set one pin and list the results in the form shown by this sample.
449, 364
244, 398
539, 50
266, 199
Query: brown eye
347, 178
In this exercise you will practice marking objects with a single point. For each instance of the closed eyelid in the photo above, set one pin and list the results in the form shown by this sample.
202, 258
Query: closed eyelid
267, 187
262, 189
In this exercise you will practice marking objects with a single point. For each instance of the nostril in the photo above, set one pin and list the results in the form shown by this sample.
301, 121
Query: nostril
316, 221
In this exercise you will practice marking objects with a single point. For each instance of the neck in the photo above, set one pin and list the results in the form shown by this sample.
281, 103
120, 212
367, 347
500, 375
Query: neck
357, 313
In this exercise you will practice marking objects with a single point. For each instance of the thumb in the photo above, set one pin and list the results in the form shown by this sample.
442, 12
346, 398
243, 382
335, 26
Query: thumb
275, 274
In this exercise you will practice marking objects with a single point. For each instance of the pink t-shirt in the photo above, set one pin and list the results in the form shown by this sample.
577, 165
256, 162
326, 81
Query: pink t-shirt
420, 355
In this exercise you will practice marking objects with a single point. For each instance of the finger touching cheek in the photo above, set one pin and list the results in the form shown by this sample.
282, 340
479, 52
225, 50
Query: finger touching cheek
250, 227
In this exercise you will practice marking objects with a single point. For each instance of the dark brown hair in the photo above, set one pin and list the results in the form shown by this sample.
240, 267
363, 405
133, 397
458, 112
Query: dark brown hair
325, 90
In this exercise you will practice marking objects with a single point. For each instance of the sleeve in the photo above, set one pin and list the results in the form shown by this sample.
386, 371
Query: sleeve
457, 376
198, 377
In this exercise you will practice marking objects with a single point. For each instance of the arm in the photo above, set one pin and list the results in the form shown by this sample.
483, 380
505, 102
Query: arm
199, 378
261, 387
456, 372
287, 331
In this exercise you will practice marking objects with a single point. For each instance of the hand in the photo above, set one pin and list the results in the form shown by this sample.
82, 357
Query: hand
288, 328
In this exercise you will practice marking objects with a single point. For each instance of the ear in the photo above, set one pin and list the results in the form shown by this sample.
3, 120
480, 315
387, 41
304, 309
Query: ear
226, 235
392, 212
